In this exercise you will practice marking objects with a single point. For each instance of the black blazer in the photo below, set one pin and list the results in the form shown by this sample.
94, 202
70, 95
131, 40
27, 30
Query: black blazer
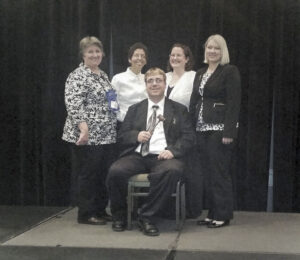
179, 132
221, 98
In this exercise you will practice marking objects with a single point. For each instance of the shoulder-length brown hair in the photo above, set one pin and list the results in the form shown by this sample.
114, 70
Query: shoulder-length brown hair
187, 53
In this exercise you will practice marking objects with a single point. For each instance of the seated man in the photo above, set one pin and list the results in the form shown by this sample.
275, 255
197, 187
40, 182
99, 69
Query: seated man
156, 146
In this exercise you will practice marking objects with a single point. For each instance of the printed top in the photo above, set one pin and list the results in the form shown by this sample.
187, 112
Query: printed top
201, 125
85, 100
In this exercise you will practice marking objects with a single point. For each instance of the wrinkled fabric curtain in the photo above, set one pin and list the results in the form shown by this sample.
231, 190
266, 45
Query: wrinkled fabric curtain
39, 48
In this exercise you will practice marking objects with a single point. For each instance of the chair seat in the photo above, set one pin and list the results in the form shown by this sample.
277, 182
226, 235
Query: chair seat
139, 177
139, 180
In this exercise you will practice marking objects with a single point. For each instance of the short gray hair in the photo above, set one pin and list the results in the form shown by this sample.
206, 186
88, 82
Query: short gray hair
89, 41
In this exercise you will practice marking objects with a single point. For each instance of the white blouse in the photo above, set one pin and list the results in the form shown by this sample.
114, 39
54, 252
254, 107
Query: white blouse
130, 88
183, 88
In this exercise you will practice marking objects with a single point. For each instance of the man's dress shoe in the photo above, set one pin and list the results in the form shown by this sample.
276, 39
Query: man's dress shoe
217, 225
118, 225
148, 228
93, 221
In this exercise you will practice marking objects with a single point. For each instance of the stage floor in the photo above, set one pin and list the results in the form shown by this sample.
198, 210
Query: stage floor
251, 235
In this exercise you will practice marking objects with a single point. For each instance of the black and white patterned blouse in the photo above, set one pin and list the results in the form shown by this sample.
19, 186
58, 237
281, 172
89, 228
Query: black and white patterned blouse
201, 125
85, 100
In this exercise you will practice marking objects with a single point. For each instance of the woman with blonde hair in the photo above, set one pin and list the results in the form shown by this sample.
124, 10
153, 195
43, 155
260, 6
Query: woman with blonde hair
215, 106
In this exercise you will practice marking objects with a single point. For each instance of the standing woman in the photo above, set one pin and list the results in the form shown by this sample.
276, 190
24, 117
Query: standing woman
130, 85
215, 106
180, 77
179, 81
90, 127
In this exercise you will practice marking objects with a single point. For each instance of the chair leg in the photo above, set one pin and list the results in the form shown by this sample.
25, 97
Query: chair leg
178, 206
129, 207
183, 205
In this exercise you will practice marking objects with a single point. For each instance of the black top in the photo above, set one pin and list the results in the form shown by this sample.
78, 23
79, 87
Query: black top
169, 90
179, 133
223, 86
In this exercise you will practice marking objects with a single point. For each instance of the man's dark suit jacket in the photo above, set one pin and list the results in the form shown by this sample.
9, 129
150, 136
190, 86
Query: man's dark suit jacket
221, 98
180, 136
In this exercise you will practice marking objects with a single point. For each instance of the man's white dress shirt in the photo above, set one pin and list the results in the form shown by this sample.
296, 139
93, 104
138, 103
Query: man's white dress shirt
158, 141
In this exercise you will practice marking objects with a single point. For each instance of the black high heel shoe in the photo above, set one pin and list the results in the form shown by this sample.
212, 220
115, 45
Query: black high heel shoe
204, 222
93, 221
216, 225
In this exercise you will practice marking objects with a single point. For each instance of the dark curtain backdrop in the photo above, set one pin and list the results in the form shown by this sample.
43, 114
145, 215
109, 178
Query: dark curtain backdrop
39, 48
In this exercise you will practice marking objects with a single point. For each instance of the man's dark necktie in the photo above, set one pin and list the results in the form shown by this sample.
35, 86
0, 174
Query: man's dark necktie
150, 128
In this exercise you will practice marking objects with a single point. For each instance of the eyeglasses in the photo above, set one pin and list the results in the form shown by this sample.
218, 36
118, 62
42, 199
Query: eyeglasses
140, 56
176, 55
156, 80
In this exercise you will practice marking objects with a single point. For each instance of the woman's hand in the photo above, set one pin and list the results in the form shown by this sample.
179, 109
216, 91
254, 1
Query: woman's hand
84, 134
226, 140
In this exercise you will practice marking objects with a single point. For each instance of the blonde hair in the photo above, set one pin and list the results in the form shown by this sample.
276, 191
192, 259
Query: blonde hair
220, 41
155, 70
89, 41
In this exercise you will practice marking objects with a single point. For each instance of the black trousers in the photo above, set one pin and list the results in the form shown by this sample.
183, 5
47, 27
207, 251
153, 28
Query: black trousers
215, 161
163, 177
90, 165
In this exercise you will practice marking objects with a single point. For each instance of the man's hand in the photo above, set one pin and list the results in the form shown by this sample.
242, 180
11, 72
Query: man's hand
144, 136
84, 134
165, 155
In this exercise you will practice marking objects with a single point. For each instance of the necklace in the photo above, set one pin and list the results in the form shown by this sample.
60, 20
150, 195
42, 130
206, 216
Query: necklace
210, 71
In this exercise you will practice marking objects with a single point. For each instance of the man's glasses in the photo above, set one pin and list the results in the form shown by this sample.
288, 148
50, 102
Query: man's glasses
156, 80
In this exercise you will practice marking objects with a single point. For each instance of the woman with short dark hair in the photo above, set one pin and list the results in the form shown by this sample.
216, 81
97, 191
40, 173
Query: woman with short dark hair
130, 85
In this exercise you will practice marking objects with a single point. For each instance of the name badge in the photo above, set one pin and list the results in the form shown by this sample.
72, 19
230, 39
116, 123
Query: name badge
111, 97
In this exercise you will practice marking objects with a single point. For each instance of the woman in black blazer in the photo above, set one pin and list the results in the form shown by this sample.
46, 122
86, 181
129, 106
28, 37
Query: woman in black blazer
214, 106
